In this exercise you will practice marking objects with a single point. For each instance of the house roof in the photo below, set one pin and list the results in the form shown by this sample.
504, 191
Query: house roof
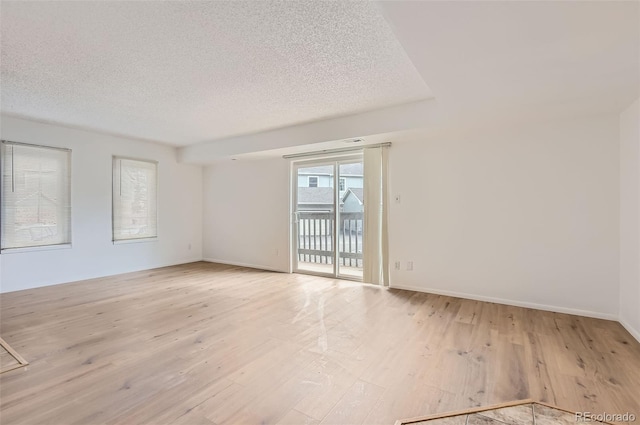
315, 195
324, 195
354, 191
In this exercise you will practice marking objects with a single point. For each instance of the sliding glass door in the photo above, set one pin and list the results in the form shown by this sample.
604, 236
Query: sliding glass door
314, 212
328, 217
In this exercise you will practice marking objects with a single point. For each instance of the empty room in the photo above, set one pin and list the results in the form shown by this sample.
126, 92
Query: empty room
320, 212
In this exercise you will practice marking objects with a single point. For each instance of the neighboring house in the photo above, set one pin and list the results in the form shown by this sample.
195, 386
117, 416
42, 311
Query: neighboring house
320, 176
353, 200
315, 200
351, 176
320, 199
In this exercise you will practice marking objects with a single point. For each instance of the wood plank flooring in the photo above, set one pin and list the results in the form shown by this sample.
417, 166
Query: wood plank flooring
211, 344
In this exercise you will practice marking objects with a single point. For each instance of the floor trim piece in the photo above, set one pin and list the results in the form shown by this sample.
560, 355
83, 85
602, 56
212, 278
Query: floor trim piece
241, 264
462, 412
525, 304
634, 332
21, 361
473, 410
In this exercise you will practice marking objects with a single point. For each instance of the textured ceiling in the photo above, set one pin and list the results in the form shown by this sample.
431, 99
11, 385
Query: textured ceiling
504, 60
188, 72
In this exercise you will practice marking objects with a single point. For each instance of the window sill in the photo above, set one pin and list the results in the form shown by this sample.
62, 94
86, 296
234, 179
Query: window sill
140, 240
36, 248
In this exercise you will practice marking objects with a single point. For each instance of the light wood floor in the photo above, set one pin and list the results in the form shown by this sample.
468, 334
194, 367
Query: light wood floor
211, 344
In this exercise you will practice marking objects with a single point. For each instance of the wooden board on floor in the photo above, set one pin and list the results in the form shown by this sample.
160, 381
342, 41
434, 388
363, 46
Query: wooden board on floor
9, 358
529, 412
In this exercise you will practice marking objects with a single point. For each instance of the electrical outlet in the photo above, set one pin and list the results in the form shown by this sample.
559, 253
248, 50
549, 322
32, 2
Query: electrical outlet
409, 266
397, 265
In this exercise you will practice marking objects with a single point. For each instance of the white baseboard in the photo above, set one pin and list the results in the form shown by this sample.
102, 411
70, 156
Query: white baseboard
634, 332
555, 309
251, 266
177, 263
102, 274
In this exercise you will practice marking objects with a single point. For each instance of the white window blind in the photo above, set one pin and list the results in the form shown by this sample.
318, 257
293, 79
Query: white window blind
135, 184
36, 196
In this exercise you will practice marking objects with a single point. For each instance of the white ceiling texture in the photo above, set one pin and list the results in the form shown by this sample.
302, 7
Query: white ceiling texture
189, 72
225, 78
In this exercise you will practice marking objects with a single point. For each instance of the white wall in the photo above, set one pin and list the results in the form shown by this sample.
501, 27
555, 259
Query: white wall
246, 213
92, 253
630, 219
526, 217
529, 216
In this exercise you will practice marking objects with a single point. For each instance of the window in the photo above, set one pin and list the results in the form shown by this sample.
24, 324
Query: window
36, 196
343, 184
313, 181
134, 199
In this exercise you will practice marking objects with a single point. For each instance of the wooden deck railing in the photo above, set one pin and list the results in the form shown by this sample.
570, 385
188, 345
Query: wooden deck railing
315, 244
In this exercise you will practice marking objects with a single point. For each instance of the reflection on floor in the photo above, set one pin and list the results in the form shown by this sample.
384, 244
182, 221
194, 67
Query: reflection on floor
345, 271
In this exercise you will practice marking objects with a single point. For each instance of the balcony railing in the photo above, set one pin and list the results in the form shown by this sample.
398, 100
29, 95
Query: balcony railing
315, 243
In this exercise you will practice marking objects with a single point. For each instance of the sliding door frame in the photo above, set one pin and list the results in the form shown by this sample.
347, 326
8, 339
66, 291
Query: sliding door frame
334, 161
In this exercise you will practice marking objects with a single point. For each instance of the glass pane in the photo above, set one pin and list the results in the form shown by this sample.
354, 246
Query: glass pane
315, 213
351, 219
